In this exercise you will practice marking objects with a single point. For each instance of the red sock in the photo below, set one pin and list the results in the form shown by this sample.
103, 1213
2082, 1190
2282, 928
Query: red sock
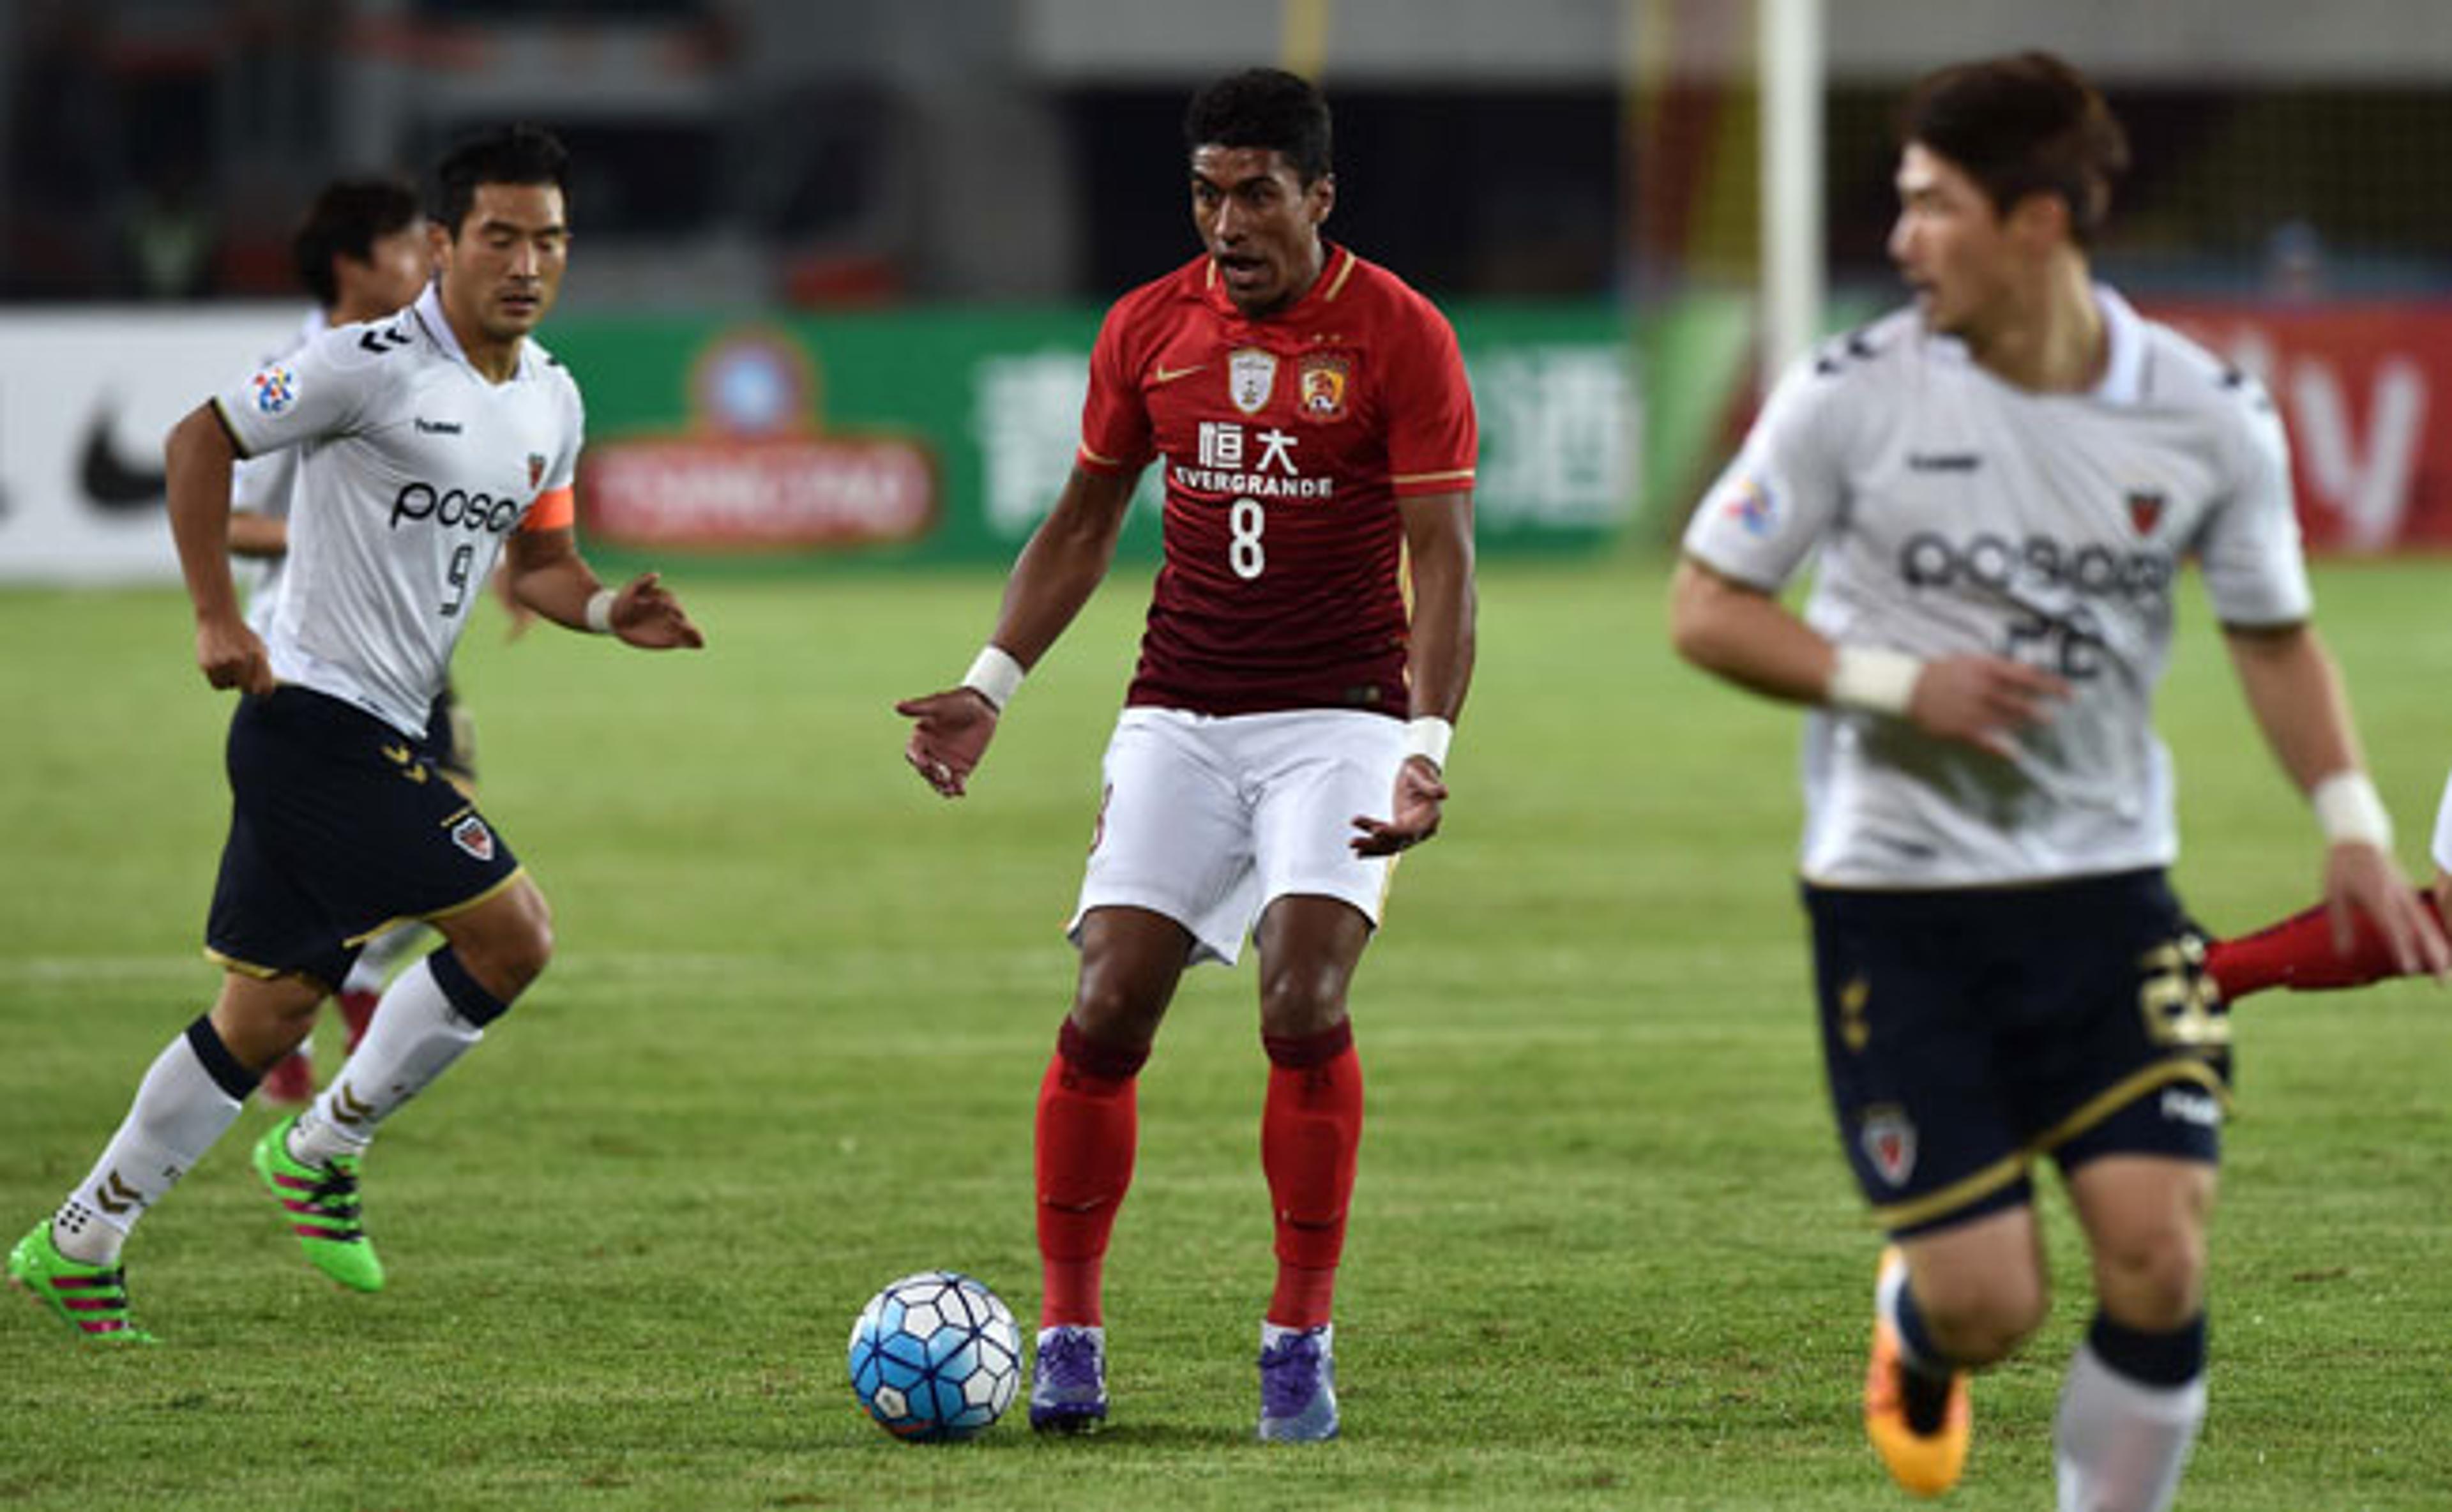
1088, 1124
1310, 1129
2298, 953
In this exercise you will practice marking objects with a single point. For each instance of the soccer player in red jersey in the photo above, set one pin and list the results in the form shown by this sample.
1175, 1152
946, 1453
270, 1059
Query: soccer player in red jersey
1317, 438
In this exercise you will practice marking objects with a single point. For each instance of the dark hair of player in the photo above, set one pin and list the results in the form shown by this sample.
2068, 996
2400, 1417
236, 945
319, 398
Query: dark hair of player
1263, 108
2027, 124
343, 222
510, 154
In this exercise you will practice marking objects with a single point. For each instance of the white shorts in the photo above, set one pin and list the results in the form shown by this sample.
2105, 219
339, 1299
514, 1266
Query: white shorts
1209, 819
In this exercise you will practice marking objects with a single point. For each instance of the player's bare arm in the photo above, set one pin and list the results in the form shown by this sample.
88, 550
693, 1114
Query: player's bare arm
2295, 693
548, 575
1736, 631
1065, 560
258, 535
1438, 551
197, 460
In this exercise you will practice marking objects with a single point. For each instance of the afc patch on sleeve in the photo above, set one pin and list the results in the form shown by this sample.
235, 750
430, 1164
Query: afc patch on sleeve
276, 389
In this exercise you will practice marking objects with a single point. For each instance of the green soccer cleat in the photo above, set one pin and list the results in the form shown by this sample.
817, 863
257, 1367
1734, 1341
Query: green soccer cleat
91, 1298
323, 1210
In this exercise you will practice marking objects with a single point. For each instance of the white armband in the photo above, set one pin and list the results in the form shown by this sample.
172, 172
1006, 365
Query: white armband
994, 675
1429, 737
2349, 809
2444, 828
598, 613
1873, 679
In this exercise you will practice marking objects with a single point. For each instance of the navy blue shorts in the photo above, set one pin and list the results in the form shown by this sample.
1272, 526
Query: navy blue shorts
339, 827
1966, 1031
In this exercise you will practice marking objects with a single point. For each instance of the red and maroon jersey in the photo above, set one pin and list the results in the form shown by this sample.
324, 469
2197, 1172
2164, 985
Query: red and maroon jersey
1287, 443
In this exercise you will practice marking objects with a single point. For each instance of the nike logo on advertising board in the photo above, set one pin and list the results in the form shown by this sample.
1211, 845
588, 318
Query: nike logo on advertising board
110, 482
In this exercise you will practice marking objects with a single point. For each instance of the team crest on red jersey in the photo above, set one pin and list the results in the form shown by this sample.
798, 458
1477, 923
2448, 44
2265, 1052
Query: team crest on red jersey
2145, 509
1320, 380
1888, 1140
1250, 377
473, 835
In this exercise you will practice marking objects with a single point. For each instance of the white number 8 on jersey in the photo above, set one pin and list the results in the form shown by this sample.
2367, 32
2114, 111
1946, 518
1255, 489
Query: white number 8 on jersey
1244, 555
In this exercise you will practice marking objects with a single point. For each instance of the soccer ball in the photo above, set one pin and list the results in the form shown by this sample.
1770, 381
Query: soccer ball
935, 1357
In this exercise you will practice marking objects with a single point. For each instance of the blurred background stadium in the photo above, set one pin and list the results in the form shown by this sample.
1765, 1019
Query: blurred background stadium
840, 259
837, 270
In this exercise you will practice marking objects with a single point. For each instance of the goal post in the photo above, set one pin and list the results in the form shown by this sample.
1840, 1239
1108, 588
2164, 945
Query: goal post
1789, 37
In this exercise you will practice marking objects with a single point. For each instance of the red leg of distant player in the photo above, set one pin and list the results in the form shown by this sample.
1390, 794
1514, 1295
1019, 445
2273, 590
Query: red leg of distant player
1310, 1129
2299, 954
1088, 1126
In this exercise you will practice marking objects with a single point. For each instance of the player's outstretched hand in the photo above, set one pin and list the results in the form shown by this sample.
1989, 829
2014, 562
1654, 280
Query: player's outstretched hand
1983, 702
647, 615
1415, 816
950, 733
232, 657
2361, 880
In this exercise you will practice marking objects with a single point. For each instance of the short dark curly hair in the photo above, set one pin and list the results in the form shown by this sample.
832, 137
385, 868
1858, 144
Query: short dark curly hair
1264, 107
2026, 124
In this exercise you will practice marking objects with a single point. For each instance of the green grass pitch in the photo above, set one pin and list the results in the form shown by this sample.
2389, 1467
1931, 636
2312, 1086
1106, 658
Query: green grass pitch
1604, 1254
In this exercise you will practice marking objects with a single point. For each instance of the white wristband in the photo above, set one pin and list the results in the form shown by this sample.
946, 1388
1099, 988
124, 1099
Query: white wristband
600, 612
1429, 737
2444, 828
1875, 679
2348, 810
994, 675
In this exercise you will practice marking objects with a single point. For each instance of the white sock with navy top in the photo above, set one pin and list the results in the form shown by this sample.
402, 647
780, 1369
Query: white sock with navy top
188, 1100
2128, 1417
433, 1013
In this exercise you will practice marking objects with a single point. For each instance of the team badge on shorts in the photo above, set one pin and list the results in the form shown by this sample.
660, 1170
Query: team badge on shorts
1321, 382
1888, 1140
2145, 509
536, 468
1250, 377
471, 835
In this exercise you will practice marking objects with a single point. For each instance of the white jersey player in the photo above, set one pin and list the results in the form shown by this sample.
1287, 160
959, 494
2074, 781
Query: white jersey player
420, 467
363, 250
1997, 488
1949, 512
428, 441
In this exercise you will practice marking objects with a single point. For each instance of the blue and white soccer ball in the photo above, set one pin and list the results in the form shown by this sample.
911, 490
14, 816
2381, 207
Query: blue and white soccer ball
935, 1357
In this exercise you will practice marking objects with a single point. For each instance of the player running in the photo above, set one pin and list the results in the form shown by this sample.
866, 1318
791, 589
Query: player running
436, 441
1311, 415
1999, 485
363, 252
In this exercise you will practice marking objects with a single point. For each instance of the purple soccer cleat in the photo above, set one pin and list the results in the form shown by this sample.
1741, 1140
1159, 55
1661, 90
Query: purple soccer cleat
1068, 1384
1298, 1384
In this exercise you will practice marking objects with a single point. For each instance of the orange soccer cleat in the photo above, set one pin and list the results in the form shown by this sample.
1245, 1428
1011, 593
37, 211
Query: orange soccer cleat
1923, 1442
